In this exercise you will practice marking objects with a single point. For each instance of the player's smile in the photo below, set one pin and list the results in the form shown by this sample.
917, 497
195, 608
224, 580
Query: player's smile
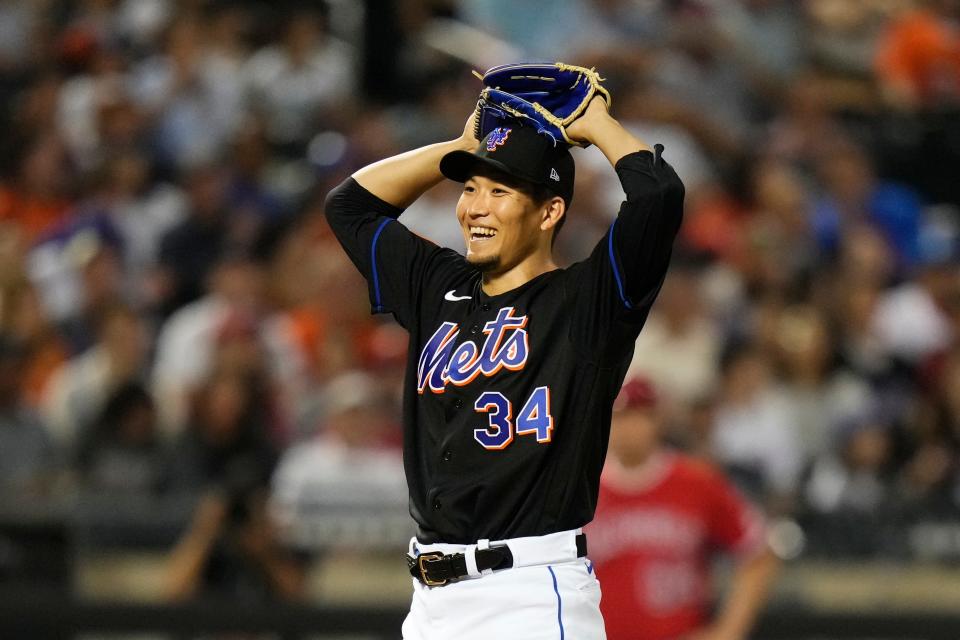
480, 233
494, 215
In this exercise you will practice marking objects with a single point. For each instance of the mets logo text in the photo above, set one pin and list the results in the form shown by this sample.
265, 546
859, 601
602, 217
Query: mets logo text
497, 137
505, 347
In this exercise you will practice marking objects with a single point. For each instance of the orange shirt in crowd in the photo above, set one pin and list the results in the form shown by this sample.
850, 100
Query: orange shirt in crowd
920, 54
33, 215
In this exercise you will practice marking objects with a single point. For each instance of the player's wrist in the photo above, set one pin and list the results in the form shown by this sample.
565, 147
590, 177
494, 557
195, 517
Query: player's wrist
594, 124
465, 142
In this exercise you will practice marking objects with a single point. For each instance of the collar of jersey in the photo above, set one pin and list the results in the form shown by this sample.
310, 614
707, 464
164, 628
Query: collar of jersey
482, 295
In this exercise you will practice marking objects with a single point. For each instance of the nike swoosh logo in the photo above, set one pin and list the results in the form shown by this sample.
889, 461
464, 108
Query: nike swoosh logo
454, 298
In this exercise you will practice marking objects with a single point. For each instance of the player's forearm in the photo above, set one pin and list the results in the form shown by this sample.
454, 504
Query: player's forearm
613, 140
403, 178
749, 589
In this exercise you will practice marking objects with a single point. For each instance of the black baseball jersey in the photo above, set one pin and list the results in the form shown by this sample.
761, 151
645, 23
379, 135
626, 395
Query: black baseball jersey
507, 398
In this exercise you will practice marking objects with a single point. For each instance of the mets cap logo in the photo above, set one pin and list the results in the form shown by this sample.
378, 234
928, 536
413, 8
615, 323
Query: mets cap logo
497, 137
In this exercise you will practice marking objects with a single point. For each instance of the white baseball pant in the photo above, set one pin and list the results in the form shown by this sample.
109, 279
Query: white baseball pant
548, 594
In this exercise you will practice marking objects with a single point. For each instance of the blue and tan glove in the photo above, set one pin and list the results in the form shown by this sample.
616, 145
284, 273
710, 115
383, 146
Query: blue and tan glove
546, 96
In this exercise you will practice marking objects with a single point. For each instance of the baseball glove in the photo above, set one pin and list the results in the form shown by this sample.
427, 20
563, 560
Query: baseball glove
546, 96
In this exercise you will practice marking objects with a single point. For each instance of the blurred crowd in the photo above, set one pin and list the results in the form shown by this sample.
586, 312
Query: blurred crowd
176, 316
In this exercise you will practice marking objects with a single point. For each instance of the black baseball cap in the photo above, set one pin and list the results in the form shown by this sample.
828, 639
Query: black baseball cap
519, 152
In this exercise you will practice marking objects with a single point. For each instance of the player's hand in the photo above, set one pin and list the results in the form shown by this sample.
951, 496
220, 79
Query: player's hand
582, 128
468, 139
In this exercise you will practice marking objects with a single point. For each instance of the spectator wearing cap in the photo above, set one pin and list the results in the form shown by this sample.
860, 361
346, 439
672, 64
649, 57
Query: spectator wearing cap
661, 516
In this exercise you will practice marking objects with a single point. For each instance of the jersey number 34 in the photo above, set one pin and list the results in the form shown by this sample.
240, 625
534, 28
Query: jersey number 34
534, 418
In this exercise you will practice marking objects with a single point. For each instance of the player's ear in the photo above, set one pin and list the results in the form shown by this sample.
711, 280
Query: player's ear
552, 213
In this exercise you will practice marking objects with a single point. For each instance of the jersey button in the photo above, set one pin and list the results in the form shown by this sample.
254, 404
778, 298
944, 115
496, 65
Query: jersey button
474, 329
457, 403
437, 505
447, 455
485, 307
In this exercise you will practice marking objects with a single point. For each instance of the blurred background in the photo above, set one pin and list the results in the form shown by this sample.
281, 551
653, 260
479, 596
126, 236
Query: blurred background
199, 419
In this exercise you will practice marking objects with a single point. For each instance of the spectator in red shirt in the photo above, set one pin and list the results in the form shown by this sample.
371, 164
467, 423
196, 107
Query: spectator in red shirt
660, 519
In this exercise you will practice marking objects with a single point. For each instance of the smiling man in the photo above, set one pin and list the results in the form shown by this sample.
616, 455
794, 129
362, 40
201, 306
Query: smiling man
517, 188
514, 365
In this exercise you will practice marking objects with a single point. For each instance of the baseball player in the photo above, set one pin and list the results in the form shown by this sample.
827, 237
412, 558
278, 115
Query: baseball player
660, 519
514, 364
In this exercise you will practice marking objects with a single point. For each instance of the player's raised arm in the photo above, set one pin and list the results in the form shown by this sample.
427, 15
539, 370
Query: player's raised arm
640, 241
598, 127
362, 213
403, 178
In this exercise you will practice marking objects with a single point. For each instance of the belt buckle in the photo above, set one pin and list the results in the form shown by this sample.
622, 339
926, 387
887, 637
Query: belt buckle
432, 556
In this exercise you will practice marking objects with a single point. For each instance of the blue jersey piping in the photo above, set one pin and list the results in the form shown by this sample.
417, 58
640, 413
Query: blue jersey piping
616, 272
377, 306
